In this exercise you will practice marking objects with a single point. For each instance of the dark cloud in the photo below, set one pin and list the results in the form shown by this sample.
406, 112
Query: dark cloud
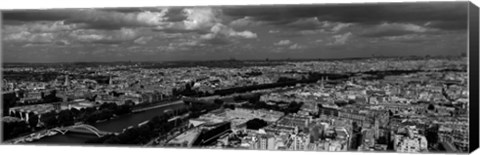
449, 15
35, 15
93, 18
449, 25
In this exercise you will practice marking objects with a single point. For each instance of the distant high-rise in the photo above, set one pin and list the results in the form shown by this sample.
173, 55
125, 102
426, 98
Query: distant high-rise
110, 82
67, 80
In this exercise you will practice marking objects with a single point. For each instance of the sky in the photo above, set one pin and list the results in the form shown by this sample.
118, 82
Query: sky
239, 32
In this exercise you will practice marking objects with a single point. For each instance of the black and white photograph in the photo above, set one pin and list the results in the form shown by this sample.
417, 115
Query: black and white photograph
354, 77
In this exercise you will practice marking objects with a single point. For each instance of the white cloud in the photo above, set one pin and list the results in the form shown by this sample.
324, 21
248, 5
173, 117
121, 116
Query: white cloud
222, 30
244, 34
314, 25
200, 18
143, 40
41, 27
273, 31
341, 39
146, 18
402, 26
394, 29
243, 22
26, 36
295, 46
340, 26
282, 42
124, 34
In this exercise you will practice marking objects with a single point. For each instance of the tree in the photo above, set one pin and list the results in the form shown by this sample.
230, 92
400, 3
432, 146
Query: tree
65, 118
129, 102
17, 114
432, 134
256, 124
14, 129
75, 112
431, 107
32, 120
218, 101
230, 106
49, 119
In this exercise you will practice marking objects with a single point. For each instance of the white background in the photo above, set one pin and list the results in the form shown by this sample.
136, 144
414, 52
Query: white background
81, 150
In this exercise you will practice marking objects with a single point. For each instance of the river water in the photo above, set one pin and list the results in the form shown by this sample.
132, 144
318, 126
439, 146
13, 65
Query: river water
113, 125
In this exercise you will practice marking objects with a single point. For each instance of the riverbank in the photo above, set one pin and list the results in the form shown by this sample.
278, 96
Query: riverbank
31, 137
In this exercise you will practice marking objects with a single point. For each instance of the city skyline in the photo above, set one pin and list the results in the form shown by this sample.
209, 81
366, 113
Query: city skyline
240, 32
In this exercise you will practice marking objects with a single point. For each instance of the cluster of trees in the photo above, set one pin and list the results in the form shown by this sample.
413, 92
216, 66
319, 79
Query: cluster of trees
15, 129
198, 108
431, 133
356, 136
9, 100
256, 124
104, 112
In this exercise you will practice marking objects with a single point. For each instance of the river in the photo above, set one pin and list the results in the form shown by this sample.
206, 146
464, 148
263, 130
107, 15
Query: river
113, 125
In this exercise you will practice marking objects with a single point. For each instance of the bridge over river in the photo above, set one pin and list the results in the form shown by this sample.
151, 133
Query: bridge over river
84, 129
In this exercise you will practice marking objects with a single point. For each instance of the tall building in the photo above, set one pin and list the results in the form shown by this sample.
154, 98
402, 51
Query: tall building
110, 81
67, 80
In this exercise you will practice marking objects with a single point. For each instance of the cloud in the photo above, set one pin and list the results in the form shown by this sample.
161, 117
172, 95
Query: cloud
143, 40
200, 18
93, 18
245, 22
446, 13
340, 26
26, 36
341, 39
245, 34
45, 26
273, 31
282, 42
104, 36
394, 29
295, 46
460, 25
311, 26
62, 42
306, 23
225, 31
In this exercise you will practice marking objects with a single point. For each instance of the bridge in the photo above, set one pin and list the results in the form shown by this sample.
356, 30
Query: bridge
83, 128
157, 106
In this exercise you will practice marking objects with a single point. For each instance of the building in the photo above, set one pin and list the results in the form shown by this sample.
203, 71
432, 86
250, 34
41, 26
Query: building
266, 142
411, 141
